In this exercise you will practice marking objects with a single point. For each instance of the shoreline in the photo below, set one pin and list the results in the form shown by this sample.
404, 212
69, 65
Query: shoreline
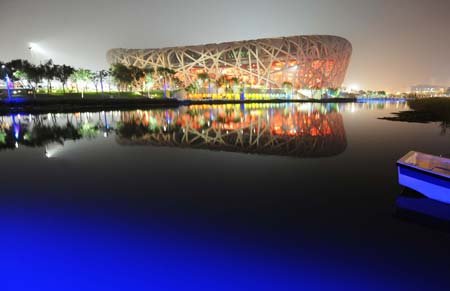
67, 105
215, 102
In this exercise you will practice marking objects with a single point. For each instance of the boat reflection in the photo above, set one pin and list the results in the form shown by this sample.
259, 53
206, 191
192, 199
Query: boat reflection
416, 208
295, 130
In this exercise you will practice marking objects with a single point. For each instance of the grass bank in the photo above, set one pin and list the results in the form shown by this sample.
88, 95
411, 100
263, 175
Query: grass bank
66, 104
43, 103
439, 107
215, 102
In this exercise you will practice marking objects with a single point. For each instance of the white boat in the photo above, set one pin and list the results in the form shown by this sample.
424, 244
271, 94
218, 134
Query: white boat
426, 174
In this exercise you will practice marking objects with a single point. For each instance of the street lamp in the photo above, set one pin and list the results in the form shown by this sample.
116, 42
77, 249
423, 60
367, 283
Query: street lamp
36, 52
7, 80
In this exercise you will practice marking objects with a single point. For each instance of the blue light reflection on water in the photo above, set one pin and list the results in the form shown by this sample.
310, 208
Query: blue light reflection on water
16, 127
381, 100
425, 206
60, 251
61, 247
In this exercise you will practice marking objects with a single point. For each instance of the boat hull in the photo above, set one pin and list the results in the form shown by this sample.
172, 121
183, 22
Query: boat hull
432, 186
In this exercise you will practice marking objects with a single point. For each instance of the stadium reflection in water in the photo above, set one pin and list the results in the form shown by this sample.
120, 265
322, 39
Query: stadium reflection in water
295, 131
301, 130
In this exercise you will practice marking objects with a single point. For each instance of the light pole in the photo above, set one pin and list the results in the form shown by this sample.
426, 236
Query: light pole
30, 49
33, 48
7, 80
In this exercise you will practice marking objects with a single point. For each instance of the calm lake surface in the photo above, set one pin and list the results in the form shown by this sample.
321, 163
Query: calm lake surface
254, 197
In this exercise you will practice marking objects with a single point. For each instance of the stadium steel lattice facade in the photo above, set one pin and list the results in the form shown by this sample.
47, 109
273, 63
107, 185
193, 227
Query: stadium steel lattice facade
316, 61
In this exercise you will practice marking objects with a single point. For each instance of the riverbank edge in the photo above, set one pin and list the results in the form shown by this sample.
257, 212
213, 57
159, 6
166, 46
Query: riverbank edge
107, 104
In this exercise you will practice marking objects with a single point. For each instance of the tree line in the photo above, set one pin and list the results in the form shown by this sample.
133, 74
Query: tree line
126, 78
130, 78
31, 75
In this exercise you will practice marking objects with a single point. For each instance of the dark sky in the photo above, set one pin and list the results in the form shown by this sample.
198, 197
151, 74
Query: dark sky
396, 43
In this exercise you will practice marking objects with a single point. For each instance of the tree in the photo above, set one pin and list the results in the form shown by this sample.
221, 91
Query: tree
62, 74
177, 82
191, 88
22, 70
98, 78
166, 74
234, 84
222, 81
82, 77
17, 65
204, 78
35, 75
138, 77
17, 70
95, 78
2, 72
149, 79
20, 76
287, 86
122, 75
49, 70
102, 74
334, 92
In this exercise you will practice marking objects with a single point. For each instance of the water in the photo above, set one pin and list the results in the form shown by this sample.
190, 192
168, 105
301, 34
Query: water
254, 197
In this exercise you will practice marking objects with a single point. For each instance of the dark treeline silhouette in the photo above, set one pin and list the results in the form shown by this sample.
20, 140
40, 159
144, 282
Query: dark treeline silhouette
426, 110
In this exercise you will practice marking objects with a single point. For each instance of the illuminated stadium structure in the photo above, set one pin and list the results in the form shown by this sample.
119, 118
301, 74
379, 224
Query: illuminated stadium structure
315, 61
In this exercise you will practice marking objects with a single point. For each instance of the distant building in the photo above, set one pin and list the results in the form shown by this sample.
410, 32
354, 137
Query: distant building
428, 89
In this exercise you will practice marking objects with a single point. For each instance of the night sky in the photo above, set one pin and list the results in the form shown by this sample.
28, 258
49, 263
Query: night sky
396, 43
